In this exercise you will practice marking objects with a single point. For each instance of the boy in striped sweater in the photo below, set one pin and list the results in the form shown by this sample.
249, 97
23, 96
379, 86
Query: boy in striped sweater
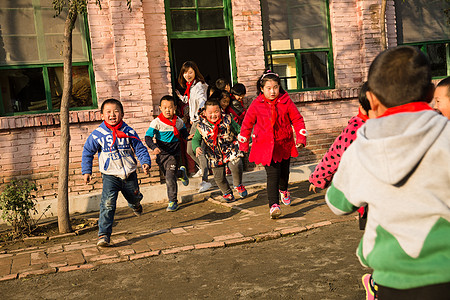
163, 137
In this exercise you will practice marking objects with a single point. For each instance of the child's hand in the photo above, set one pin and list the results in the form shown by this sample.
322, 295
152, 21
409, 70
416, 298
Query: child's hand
87, 178
198, 151
300, 146
146, 168
190, 136
312, 188
156, 151
178, 93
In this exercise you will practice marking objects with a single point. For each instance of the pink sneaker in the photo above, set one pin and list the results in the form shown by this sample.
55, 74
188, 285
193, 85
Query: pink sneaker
370, 287
285, 197
275, 211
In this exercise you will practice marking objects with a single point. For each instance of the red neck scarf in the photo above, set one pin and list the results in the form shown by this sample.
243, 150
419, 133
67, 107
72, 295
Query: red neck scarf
172, 123
362, 116
188, 89
117, 133
273, 109
215, 130
409, 107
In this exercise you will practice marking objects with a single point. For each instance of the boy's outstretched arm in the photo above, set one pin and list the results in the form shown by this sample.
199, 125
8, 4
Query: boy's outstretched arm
90, 148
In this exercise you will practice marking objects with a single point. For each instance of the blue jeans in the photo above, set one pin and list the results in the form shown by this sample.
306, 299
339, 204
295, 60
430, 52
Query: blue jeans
111, 187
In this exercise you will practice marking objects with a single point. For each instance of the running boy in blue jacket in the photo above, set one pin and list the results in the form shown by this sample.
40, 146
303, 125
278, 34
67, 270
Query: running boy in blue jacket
116, 144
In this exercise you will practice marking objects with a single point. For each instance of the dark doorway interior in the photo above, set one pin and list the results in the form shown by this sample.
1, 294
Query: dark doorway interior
211, 55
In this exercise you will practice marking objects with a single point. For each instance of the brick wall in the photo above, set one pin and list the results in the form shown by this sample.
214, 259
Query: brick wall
131, 62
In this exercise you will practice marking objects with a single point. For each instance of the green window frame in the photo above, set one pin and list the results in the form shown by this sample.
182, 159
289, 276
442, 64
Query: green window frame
297, 43
196, 30
31, 63
424, 24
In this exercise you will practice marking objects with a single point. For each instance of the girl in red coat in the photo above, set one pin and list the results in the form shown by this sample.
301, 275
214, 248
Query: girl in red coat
271, 116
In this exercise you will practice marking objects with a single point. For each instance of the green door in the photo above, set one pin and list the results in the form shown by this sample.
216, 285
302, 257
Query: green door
201, 31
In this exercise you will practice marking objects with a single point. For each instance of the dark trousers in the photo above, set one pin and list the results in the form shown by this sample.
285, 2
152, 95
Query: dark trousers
221, 179
277, 179
435, 292
168, 164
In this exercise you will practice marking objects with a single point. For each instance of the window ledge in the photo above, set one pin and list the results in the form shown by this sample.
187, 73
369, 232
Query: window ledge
48, 119
325, 95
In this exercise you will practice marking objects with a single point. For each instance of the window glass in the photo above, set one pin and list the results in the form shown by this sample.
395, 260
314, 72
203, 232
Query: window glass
197, 15
182, 3
437, 55
31, 62
314, 70
184, 20
22, 90
296, 39
422, 20
209, 3
211, 19
295, 24
81, 90
285, 66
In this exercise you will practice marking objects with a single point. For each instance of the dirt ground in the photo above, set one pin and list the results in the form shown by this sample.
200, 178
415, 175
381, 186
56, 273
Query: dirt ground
317, 264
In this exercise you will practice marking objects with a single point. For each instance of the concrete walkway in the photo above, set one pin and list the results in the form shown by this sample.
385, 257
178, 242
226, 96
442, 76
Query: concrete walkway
202, 221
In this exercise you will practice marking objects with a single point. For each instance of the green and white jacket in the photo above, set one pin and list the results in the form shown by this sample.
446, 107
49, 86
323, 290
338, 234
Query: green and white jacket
400, 166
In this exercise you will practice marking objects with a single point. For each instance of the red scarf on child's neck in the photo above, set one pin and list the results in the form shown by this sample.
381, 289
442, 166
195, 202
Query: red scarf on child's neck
215, 130
188, 89
117, 133
273, 109
172, 123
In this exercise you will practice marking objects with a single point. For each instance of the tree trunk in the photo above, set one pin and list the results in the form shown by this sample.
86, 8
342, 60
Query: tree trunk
383, 25
63, 180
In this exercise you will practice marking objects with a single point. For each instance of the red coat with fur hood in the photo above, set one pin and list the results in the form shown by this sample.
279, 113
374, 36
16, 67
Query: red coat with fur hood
272, 143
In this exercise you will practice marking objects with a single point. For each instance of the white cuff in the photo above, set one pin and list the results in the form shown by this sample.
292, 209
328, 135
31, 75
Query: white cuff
242, 139
303, 132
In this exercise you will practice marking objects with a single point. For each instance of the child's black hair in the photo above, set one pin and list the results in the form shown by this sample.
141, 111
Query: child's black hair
111, 101
266, 76
401, 75
445, 83
212, 102
239, 89
167, 98
221, 83
363, 98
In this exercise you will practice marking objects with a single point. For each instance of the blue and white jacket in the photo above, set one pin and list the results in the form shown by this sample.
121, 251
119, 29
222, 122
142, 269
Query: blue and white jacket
117, 159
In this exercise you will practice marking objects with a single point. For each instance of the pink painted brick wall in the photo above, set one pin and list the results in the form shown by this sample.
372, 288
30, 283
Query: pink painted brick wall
131, 62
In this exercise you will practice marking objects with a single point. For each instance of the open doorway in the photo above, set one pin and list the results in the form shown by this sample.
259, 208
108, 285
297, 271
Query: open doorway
212, 56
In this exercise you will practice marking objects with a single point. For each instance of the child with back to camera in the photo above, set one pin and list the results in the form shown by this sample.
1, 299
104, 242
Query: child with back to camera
327, 167
219, 133
398, 166
271, 116
116, 144
168, 130
442, 97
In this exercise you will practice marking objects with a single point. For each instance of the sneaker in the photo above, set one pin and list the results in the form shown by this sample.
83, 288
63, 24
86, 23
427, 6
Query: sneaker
275, 211
228, 198
185, 179
370, 287
103, 241
198, 174
241, 190
138, 210
173, 206
285, 197
204, 186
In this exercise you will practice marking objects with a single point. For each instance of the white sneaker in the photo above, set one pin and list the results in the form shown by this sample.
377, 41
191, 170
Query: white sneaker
204, 186
198, 174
